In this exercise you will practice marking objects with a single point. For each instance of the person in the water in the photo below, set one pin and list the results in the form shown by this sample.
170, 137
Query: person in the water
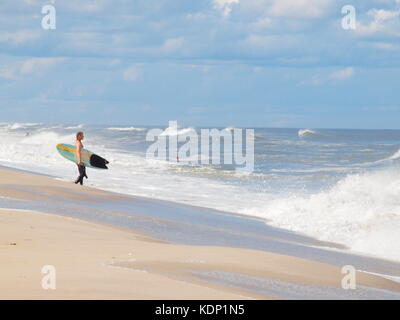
81, 166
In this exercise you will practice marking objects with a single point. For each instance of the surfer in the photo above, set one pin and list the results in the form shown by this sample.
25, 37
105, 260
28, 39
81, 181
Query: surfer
81, 166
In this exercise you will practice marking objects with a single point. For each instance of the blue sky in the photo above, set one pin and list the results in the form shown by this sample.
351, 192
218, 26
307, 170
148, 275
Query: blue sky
255, 63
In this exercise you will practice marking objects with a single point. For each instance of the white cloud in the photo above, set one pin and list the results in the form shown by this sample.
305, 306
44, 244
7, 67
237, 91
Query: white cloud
172, 44
202, 67
225, 6
258, 40
300, 8
196, 16
89, 6
29, 66
297, 9
342, 74
133, 73
316, 80
262, 22
115, 62
272, 43
35, 65
83, 40
18, 37
383, 22
322, 78
386, 46
8, 74
383, 14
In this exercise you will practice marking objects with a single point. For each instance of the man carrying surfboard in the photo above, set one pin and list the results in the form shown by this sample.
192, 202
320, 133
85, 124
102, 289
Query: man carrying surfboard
81, 157
81, 166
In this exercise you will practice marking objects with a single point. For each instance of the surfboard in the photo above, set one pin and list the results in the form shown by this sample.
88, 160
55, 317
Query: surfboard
90, 159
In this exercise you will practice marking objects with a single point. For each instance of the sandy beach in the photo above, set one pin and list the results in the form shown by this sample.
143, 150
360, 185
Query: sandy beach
95, 260
200, 150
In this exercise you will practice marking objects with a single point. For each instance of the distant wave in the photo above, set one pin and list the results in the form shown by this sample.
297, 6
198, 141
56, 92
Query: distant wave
126, 129
229, 128
74, 127
251, 136
255, 137
173, 131
307, 132
16, 126
395, 156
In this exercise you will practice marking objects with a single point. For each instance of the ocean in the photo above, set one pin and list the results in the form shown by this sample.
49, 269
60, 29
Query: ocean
335, 185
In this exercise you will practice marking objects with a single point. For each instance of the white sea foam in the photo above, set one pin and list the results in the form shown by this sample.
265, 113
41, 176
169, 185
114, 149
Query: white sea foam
126, 129
45, 138
361, 211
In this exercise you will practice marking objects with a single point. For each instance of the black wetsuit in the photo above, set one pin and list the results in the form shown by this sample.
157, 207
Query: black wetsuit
82, 173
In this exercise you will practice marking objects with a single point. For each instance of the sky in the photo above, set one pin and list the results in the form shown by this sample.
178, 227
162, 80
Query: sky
248, 63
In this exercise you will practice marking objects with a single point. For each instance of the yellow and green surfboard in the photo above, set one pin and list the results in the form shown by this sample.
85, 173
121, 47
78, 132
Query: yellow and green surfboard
90, 159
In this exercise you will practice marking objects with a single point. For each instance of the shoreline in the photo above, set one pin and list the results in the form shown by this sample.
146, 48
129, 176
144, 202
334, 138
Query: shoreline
328, 245
89, 220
